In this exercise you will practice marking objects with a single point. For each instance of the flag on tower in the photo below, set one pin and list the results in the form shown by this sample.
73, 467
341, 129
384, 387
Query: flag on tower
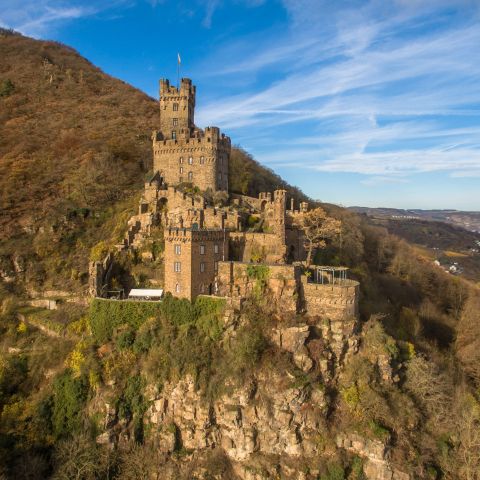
179, 59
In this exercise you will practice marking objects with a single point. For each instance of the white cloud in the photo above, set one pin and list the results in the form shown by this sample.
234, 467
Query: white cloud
38, 17
384, 89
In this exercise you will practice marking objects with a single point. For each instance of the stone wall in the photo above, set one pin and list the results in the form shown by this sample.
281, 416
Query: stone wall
335, 301
100, 275
234, 281
201, 160
248, 246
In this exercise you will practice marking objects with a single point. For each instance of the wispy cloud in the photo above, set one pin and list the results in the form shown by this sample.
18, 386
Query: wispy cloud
38, 17
380, 88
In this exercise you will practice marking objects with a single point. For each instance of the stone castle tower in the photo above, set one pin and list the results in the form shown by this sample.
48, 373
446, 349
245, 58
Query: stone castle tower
181, 151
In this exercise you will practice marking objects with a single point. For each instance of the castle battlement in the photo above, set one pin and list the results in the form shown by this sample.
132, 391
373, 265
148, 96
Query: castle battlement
194, 235
186, 88
208, 139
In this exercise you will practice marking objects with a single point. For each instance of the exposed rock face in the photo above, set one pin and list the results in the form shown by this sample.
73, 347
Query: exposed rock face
376, 466
269, 415
293, 340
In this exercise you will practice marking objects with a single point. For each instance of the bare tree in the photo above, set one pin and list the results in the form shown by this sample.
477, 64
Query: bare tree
142, 462
76, 459
318, 228
462, 460
431, 387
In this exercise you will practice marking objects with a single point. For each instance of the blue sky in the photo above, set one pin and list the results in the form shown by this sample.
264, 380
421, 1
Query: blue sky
373, 103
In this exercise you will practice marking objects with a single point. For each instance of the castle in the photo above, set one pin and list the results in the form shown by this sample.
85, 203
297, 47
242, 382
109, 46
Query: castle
213, 238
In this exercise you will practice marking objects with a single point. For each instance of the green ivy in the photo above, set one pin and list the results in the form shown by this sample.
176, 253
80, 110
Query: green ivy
260, 273
133, 405
106, 315
69, 397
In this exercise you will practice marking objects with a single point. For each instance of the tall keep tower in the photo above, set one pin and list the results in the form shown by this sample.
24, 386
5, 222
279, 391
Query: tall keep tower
177, 108
183, 153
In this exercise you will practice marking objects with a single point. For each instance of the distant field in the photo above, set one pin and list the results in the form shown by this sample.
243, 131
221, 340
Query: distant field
449, 253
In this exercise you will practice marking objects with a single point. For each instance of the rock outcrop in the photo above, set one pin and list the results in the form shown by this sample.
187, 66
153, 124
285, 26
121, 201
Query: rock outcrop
375, 454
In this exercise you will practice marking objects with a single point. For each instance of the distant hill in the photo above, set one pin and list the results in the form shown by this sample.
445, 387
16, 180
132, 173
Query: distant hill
74, 152
467, 220
448, 239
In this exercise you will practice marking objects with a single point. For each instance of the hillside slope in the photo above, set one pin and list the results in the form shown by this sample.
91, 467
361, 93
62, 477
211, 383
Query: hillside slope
74, 150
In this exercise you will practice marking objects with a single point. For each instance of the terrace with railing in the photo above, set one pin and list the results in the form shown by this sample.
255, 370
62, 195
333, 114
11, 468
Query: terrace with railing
329, 275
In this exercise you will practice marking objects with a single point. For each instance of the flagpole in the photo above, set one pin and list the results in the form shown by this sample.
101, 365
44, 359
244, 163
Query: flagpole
178, 71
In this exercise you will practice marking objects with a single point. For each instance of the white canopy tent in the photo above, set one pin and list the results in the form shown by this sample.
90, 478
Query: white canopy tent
146, 293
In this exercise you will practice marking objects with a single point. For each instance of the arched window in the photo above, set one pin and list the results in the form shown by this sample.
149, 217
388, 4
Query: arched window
174, 135
177, 288
181, 170
181, 160
190, 176
202, 160
190, 160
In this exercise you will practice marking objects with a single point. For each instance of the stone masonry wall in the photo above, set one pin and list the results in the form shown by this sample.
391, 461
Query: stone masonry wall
191, 260
202, 161
245, 245
99, 275
282, 283
336, 302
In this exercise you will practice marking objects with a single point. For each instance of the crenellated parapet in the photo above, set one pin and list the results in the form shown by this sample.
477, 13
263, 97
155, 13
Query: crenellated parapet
192, 235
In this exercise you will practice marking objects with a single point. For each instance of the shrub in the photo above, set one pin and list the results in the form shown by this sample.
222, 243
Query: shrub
69, 396
99, 251
22, 327
6, 88
334, 472
356, 469
208, 316
379, 430
133, 405
77, 357
125, 339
